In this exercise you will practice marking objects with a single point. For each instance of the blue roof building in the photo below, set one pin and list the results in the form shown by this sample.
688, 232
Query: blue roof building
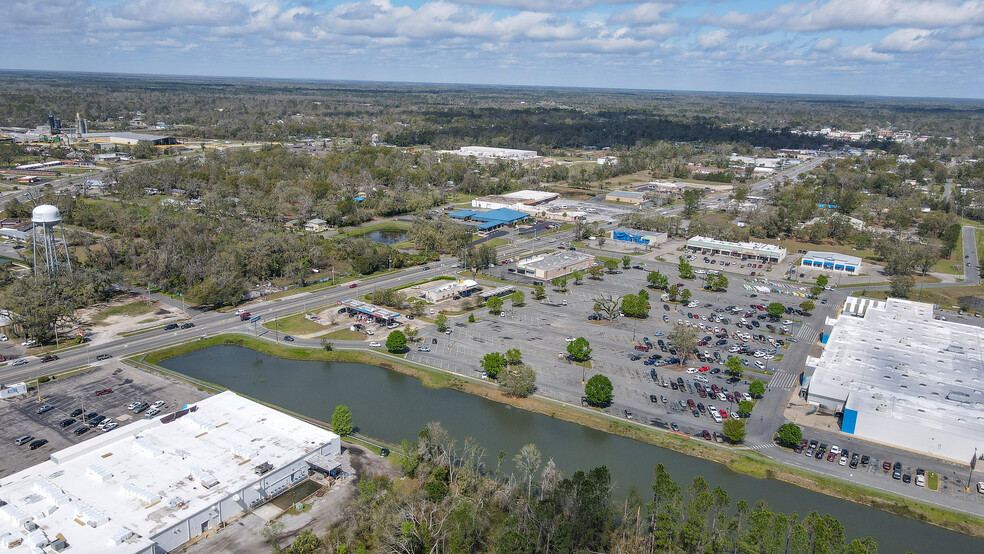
504, 216
462, 214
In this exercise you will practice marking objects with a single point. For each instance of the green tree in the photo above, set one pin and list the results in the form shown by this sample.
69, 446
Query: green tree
596, 272
598, 390
685, 269
518, 380
441, 321
396, 342
756, 389
626, 262
807, 306
635, 306
471, 318
901, 286
674, 292
684, 340
327, 345
822, 281
734, 430
734, 366
745, 407
775, 309
492, 363
611, 265
790, 434
307, 542
657, 280
436, 487
717, 282
539, 292
577, 276
691, 201
341, 420
513, 356
494, 304
685, 295
411, 333
272, 531
559, 283
579, 349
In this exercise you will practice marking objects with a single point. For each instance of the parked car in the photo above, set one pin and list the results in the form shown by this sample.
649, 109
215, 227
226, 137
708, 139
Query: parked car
23, 439
103, 392
423, 349
38, 443
81, 431
66, 422
44, 408
77, 412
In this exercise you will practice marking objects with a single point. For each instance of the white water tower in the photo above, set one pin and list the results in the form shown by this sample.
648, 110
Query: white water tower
46, 217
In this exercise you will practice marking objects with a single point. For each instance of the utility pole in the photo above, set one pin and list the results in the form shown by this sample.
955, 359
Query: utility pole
973, 464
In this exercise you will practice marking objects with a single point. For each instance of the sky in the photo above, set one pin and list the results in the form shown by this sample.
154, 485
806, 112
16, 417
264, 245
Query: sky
849, 47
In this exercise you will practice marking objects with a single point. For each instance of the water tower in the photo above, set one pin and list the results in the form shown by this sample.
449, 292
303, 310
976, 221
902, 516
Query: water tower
46, 217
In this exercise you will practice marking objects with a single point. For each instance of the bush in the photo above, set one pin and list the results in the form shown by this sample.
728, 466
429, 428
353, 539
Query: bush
341, 420
396, 342
789, 434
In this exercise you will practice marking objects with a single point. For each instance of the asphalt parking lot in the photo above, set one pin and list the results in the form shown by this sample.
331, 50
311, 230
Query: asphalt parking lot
20, 416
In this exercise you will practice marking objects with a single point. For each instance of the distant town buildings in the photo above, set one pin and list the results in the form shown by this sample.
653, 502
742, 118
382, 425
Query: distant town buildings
647, 238
489, 152
443, 290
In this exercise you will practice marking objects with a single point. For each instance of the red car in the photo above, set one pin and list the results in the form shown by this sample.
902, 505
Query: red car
642, 347
706, 434
704, 368
753, 274
724, 413
103, 391
353, 285
679, 284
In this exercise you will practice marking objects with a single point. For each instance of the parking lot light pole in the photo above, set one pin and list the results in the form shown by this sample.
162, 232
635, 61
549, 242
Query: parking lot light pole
973, 464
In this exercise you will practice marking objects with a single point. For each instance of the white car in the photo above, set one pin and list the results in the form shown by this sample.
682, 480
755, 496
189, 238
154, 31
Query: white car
111, 426
157, 404
240, 311
20, 361
722, 397
29, 343
835, 449
787, 322
920, 480
375, 344
691, 370
759, 365
717, 418
569, 339
132, 405
3, 337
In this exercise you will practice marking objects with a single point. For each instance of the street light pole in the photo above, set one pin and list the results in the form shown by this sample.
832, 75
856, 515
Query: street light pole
973, 464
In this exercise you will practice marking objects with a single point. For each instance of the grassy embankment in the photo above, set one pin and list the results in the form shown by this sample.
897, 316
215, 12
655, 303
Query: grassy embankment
743, 461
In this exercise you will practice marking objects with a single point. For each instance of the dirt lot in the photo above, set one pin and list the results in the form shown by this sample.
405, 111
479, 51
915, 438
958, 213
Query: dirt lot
20, 417
243, 534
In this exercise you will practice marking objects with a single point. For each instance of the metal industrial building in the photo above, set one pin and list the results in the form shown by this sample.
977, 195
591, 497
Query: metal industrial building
744, 250
493, 153
650, 238
445, 289
901, 377
155, 484
130, 139
558, 264
832, 261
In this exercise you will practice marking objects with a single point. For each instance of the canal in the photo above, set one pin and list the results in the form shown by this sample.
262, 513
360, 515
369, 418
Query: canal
393, 407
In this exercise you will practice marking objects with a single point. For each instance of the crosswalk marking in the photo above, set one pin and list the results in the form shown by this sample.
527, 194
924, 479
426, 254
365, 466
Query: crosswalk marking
807, 334
782, 380
763, 447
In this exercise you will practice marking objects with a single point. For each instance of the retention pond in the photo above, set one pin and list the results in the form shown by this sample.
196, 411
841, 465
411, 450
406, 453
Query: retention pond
394, 407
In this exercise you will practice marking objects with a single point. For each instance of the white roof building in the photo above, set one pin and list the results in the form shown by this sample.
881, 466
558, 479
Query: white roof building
155, 484
901, 377
493, 153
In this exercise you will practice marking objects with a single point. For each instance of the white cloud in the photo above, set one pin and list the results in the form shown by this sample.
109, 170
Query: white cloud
826, 44
546, 5
863, 53
643, 14
713, 40
908, 40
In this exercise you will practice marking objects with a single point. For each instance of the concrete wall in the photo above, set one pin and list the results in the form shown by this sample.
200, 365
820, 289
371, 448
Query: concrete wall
951, 445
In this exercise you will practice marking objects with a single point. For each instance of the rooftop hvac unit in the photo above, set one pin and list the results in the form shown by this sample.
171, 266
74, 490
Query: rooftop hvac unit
90, 516
98, 473
51, 492
120, 536
262, 468
243, 452
145, 447
205, 478
144, 495
37, 539
199, 422
14, 515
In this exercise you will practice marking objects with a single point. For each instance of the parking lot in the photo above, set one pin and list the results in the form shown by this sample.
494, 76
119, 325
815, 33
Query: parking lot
20, 416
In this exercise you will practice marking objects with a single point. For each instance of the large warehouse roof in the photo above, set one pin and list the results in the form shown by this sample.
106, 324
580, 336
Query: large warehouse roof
148, 476
555, 260
893, 358
835, 257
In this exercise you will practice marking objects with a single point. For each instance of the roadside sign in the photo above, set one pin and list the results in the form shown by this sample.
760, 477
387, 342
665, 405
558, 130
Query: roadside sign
254, 319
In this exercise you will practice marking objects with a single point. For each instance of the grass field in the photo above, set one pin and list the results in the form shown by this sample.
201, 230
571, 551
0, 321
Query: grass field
383, 226
933, 480
296, 324
129, 310
345, 334
497, 241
